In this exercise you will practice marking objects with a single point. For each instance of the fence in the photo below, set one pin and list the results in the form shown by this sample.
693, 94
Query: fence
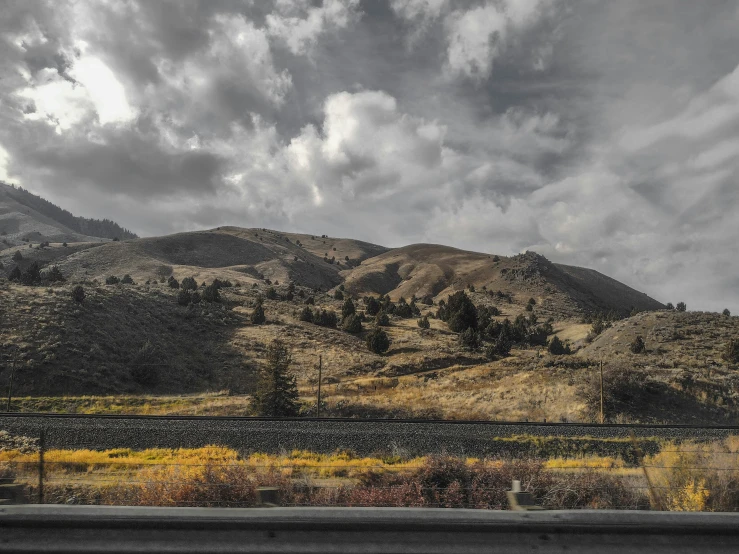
684, 476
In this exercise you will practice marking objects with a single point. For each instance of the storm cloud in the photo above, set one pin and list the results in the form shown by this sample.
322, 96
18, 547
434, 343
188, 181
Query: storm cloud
597, 133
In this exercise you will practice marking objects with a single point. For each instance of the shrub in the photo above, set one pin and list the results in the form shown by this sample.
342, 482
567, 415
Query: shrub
184, 297
277, 392
17, 257
338, 295
189, 283
531, 302
173, 283
373, 306
306, 314
529, 307
428, 300
352, 324
78, 294
271, 294
459, 313
557, 347
423, 323
257, 316
624, 392
681, 307
32, 275
499, 348
382, 319
726, 312
496, 258
112, 280
195, 297
469, 338
325, 318
637, 346
348, 308
378, 341
127, 280
402, 309
15, 274
64, 244
54, 275
731, 352
211, 294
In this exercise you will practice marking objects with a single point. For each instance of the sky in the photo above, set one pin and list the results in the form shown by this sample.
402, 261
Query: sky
597, 133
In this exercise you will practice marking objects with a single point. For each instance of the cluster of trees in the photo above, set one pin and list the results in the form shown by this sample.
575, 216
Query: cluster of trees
681, 307
476, 327
33, 276
125, 280
383, 304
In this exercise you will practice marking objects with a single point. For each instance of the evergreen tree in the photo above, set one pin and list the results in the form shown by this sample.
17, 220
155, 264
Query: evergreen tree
15, 274
257, 316
32, 275
17, 257
78, 294
127, 280
382, 319
637, 346
277, 391
423, 323
211, 293
271, 294
726, 312
557, 347
112, 280
184, 297
54, 275
681, 307
306, 314
352, 324
348, 308
378, 341
460, 312
338, 295
189, 283
373, 306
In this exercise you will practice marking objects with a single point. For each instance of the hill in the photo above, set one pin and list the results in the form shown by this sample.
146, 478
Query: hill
26, 216
560, 291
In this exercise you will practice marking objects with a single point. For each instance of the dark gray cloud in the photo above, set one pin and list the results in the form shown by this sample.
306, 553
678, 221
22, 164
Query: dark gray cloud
599, 133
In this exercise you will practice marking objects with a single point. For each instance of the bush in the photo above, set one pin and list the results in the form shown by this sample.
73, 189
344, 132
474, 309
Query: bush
382, 319
184, 297
189, 283
423, 323
257, 316
195, 297
64, 244
378, 341
17, 257
338, 295
211, 294
32, 275
459, 312
306, 314
78, 294
469, 338
352, 324
173, 283
15, 274
402, 309
428, 300
499, 348
271, 294
731, 352
557, 347
112, 280
325, 318
277, 391
373, 306
726, 312
54, 275
348, 308
681, 307
637, 346
127, 280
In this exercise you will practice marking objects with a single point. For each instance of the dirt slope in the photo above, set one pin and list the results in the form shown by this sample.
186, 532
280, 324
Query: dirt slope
561, 291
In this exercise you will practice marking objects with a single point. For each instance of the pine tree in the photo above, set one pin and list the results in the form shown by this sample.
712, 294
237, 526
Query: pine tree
277, 392
352, 324
257, 316
637, 346
423, 323
78, 294
378, 341
348, 308
557, 347
373, 306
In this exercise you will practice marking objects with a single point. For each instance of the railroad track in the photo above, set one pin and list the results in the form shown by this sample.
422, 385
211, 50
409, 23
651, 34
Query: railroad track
471, 438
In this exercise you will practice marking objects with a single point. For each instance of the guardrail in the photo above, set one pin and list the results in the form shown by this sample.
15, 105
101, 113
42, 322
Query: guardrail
47, 529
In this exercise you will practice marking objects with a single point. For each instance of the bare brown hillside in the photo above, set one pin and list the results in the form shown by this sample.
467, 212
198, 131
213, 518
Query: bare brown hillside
427, 269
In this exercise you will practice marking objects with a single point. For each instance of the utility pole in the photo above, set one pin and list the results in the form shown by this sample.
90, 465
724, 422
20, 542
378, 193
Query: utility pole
318, 406
10, 386
601, 392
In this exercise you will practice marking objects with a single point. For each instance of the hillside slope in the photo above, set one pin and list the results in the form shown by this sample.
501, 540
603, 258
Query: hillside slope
560, 291
24, 215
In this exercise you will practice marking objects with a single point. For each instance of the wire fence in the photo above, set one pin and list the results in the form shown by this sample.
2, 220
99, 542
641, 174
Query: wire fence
687, 477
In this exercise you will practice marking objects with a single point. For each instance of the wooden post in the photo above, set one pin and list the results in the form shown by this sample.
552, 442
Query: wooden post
601, 392
318, 406
10, 386
41, 448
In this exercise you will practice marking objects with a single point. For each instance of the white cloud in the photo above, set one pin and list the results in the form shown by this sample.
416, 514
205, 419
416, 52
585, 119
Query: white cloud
299, 25
103, 89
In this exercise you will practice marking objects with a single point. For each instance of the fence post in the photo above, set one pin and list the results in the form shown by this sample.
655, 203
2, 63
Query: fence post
41, 448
